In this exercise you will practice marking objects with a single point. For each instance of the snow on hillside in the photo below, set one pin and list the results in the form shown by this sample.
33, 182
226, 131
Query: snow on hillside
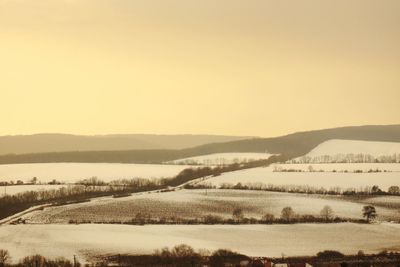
265, 176
73, 172
222, 158
352, 151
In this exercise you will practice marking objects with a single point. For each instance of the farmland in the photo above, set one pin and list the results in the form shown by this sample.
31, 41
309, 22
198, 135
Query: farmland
327, 180
351, 151
189, 204
254, 240
335, 146
73, 172
338, 167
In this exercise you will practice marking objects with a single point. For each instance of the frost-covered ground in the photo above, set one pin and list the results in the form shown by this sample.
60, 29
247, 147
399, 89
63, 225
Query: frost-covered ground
223, 158
15, 189
198, 203
254, 240
72, 172
337, 146
338, 167
327, 180
353, 151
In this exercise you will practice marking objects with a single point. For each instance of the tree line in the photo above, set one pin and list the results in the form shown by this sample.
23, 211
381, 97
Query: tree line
348, 158
287, 216
393, 190
183, 255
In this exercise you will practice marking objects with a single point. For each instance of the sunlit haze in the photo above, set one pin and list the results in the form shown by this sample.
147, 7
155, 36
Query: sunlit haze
232, 67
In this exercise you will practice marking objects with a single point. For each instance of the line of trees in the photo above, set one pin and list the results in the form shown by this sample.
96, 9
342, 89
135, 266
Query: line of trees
183, 255
310, 168
194, 173
287, 216
36, 261
348, 158
303, 189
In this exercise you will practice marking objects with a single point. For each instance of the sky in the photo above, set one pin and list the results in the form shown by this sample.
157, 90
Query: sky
257, 67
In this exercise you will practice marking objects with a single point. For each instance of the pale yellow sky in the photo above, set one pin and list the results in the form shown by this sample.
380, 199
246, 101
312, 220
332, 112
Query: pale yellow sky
232, 67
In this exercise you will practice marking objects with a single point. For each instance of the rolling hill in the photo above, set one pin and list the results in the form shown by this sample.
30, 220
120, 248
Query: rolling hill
44, 143
292, 145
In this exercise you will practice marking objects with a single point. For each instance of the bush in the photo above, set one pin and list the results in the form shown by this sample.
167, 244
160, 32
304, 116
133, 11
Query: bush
330, 254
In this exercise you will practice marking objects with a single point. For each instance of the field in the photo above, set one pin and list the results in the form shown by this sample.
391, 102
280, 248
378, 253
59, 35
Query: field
198, 203
72, 172
15, 189
338, 167
352, 151
222, 158
376, 149
327, 180
254, 240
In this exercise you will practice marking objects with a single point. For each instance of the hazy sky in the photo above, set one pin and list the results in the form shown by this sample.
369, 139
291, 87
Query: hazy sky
253, 67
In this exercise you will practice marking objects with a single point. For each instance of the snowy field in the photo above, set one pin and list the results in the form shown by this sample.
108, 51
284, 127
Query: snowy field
72, 172
337, 146
222, 158
15, 189
338, 167
353, 150
254, 240
327, 180
198, 203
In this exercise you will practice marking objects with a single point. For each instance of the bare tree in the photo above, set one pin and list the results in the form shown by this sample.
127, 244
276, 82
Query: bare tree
4, 257
238, 214
327, 213
268, 217
394, 190
287, 214
369, 212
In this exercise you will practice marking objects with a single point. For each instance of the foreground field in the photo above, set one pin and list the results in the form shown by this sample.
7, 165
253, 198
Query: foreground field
253, 240
72, 172
327, 180
198, 203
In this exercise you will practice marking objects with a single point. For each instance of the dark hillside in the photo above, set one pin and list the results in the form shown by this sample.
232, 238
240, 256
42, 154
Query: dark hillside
292, 145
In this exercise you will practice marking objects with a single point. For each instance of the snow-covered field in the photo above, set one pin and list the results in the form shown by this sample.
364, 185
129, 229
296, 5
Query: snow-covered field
338, 167
15, 189
254, 240
72, 172
222, 158
353, 151
198, 203
337, 146
327, 180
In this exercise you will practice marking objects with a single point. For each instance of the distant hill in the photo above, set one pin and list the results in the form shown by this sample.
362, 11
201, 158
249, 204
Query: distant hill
43, 143
292, 145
